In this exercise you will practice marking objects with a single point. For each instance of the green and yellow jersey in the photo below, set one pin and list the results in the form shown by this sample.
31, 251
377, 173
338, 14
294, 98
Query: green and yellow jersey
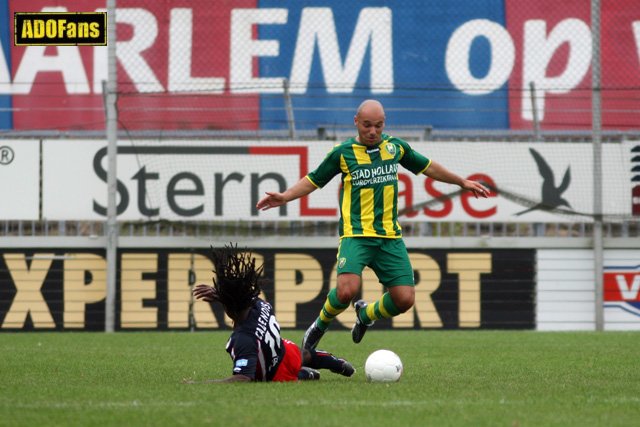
369, 191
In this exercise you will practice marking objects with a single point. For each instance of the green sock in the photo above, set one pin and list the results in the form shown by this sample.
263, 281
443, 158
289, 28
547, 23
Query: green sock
331, 308
384, 308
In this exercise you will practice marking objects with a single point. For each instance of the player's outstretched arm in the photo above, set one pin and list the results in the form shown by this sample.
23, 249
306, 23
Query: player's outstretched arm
440, 173
274, 199
205, 293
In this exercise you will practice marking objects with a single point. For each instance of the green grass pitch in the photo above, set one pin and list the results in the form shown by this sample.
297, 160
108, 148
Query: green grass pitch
451, 378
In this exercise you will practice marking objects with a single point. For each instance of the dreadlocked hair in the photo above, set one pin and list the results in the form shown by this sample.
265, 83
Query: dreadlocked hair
236, 280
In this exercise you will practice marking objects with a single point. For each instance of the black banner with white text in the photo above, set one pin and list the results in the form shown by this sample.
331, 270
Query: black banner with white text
44, 289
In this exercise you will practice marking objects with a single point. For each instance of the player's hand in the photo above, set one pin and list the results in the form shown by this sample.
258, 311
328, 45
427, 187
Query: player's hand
271, 200
476, 188
205, 293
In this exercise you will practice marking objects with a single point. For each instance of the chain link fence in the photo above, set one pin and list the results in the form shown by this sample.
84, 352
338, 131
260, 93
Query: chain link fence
445, 65
211, 74
265, 66
446, 70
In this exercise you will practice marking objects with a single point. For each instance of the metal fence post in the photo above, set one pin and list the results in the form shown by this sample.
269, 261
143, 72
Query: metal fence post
534, 110
112, 153
598, 248
289, 107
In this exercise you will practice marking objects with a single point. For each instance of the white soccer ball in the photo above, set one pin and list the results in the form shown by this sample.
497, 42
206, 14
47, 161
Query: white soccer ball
383, 366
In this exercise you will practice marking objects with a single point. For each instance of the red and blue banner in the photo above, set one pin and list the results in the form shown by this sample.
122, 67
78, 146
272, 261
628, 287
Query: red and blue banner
622, 288
451, 64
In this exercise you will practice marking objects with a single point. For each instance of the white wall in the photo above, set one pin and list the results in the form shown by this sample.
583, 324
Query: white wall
566, 290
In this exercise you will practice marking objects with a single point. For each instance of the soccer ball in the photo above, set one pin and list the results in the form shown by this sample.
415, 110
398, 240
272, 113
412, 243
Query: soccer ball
383, 366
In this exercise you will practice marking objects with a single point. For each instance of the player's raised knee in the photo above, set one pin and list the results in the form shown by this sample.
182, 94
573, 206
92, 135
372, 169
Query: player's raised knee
404, 299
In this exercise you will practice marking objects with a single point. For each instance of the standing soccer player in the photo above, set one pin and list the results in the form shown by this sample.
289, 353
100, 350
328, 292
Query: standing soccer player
256, 348
370, 234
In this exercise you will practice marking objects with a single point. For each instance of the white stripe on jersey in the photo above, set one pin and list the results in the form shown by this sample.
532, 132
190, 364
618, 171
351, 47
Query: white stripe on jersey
263, 365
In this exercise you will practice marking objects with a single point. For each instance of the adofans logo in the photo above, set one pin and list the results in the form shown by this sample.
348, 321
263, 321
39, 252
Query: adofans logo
60, 28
